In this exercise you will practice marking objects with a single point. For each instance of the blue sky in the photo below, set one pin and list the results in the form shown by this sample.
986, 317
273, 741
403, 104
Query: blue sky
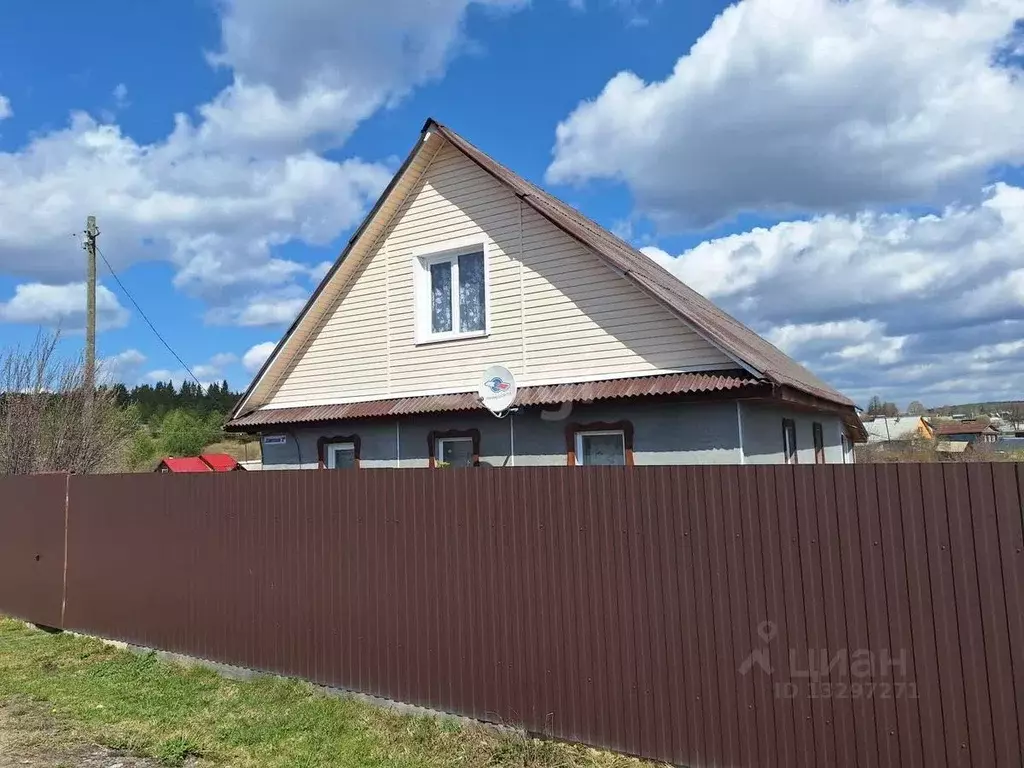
860, 206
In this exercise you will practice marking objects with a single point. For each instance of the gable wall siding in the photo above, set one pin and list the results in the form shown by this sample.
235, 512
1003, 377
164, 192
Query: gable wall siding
557, 312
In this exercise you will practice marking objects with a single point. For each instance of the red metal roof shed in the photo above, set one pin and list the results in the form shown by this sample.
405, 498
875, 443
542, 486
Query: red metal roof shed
188, 464
221, 462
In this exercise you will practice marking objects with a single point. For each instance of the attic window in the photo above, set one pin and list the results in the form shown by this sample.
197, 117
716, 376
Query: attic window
451, 293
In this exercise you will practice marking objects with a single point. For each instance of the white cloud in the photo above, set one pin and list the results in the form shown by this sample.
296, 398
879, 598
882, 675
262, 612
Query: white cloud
5, 107
62, 305
927, 307
222, 190
120, 94
122, 367
810, 105
214, 367
319, 67
253, 360
278, 307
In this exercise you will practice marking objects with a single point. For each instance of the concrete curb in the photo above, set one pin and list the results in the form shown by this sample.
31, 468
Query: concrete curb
243, 674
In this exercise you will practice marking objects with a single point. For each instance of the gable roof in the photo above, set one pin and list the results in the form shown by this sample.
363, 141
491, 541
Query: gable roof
186, 464
207, 462
749, 350
964, 428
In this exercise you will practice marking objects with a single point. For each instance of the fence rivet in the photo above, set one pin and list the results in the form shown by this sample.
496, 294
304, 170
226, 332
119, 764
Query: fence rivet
876, 543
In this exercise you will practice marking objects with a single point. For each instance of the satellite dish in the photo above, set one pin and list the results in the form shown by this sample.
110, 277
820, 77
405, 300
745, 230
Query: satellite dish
498, 389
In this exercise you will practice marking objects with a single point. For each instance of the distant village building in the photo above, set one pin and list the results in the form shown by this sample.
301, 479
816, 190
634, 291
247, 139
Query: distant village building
967, 432
888, 429
207, 462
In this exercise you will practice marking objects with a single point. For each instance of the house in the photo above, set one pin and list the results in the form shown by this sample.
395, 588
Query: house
207, 462
883, 429
462, 264
966, 431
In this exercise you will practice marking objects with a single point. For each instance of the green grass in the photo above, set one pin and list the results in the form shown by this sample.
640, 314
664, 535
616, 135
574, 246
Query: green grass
175, 714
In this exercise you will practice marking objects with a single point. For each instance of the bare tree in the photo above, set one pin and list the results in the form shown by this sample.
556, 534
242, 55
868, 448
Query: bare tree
42, 415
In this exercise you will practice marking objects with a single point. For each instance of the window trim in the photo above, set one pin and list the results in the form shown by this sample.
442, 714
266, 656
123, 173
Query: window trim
847, 446
573, 446
452, 434
818, 433
787, 426
324, 443
448, 252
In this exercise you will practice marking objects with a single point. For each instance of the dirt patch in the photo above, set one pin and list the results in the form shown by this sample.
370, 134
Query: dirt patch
31, 738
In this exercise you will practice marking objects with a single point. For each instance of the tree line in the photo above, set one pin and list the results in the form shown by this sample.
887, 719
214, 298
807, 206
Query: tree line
153, 402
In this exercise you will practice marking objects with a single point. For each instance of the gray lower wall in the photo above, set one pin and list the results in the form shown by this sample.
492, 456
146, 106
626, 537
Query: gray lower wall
664, 433
762, 433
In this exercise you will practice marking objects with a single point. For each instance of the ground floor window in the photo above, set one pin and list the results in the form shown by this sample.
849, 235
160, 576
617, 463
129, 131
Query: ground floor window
338, 452
595, 445
789, 441
455, 448
819, 443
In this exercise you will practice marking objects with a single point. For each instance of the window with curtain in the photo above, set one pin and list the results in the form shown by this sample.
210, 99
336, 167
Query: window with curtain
455, 295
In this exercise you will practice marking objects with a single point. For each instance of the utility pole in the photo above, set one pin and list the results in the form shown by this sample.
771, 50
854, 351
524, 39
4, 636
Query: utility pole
91, 233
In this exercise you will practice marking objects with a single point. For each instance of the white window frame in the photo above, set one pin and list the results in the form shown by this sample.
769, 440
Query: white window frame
598, 433
439, 446
423, 259
329, 449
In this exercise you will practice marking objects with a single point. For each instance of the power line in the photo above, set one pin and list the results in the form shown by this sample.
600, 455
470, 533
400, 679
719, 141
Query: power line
149, 322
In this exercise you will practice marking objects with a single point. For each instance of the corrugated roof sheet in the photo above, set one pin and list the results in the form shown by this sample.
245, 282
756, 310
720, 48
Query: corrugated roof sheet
555, 394
883, 429
962, 428
220, 462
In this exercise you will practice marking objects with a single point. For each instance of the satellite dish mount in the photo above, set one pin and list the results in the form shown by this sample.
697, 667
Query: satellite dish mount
498, 390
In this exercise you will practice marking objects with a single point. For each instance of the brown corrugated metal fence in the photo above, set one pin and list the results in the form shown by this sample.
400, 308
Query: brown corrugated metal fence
740, 616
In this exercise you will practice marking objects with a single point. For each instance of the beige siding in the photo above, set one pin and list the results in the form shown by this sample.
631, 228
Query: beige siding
581, 319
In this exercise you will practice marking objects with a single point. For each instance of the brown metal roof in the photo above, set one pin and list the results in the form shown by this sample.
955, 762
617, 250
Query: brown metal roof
719, 327
963, 428
670, 384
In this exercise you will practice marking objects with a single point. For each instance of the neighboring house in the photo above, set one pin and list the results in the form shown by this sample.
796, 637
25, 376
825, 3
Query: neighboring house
462, 264
882, 429
966, 431
207, 462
